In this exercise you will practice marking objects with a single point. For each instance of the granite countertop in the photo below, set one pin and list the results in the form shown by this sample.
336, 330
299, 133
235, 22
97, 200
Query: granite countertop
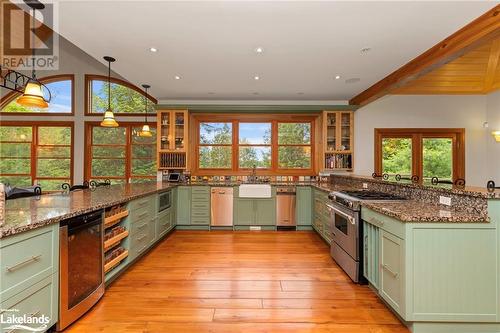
30, 213
418, 211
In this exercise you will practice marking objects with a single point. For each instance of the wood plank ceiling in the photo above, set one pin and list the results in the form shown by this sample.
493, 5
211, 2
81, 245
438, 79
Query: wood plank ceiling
475, 72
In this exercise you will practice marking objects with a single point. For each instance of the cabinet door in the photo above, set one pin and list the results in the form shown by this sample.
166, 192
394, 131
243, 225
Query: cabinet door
304, 205
371, 236
179, 123
265, 212
164, 135
244, 212
183, 205
330, 129
391, 270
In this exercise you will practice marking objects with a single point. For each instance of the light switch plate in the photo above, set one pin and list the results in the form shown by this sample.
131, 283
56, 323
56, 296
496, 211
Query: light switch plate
445, 200
365, 185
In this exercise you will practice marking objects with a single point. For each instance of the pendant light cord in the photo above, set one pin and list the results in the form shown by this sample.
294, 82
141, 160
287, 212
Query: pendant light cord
146, 106
33, 45
109, 85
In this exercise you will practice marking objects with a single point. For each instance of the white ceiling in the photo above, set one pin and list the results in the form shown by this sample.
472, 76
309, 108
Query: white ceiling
306, 43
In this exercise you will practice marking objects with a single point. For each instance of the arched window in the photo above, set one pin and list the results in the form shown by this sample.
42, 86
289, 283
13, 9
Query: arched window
126, 99
62, 103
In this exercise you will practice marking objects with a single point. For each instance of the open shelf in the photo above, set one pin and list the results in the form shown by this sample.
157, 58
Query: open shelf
114, 219
114, 262
115, 240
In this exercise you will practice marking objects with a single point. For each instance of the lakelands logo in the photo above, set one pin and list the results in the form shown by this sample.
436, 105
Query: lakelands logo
20, 35
11, 319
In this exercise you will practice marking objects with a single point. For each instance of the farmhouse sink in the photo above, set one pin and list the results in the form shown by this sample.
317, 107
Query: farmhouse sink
255, 191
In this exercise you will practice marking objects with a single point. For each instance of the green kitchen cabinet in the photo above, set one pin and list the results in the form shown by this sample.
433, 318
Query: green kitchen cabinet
371, 253
183, 207
265, 211
303, 206
200, 205
321, 218
391, 287
254, 212
244, 212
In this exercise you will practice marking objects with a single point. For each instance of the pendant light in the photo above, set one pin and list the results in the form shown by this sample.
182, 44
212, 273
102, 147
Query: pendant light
146, 131
33, 94
109, 117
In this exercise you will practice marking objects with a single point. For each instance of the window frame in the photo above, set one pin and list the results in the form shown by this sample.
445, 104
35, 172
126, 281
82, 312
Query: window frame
34, 145
239, 145
11, 96
417, 135
88, 98
128, 152
236, 119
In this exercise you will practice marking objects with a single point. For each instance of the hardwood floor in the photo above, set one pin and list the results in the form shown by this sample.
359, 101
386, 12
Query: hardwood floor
238, 282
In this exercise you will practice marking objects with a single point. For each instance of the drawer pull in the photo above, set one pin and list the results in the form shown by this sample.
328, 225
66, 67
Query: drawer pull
22, 263
142, 215
142, 226
141, 238
35, 314
395, 275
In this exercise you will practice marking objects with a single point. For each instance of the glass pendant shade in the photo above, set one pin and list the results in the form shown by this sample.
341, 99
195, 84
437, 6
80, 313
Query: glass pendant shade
109, 119
496, 135
145, 132
33, 96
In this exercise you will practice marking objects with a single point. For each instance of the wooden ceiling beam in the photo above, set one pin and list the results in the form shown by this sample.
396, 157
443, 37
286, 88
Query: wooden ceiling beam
482, 30
491, 70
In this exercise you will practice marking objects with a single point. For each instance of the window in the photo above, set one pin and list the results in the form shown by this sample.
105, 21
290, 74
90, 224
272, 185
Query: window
233, 146
294, 145
125, 97
36, 153
119, 154
425, 153
61, 90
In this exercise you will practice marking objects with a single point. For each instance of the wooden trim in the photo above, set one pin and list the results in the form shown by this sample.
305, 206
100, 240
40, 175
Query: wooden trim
34, 144
483, 29
251, 108
235, 119
87, 98
417, 135
5, 100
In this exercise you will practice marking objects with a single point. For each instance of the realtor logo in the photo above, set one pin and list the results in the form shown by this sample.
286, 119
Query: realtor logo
19, 34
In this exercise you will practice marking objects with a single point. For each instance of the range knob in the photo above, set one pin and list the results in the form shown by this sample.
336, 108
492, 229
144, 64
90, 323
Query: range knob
350, 204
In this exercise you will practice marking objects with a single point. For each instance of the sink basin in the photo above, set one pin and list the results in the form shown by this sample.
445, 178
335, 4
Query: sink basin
255, 191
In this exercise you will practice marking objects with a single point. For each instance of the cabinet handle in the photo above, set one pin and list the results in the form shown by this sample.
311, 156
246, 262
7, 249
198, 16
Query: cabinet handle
141, 238
35, 314
142, 226
22, 263
143, 214
395, 275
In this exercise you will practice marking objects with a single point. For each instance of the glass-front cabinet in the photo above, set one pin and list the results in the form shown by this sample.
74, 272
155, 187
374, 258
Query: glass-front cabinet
338, 140
172, 139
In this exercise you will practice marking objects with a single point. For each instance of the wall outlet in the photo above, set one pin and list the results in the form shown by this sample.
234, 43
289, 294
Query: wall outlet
365, 185
445, 200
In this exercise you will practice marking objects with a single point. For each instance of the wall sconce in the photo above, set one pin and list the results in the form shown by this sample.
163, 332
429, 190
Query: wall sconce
496, 135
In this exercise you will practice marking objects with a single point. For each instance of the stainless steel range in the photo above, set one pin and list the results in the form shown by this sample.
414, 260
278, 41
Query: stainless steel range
345, 214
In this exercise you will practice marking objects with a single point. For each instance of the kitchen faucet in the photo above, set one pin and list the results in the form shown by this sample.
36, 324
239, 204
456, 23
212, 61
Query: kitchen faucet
253, 176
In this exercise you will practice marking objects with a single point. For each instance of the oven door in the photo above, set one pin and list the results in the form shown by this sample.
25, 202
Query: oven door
345, 228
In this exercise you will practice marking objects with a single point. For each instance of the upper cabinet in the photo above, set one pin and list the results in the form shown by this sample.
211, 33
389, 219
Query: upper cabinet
172, 139
338, 140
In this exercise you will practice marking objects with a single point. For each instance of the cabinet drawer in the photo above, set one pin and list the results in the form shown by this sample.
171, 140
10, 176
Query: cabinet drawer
200, 220
197, 197
200, 205
28, 258
200, 213
148, 201
392, 271
41, 299
163, 224
203, 190
140, 227
142, 240
142, 214
384, 222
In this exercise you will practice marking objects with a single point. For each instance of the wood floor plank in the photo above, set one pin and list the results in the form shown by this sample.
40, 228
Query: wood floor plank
227, 282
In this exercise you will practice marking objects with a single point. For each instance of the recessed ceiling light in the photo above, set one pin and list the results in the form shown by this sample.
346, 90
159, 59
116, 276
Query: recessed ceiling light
337, 77
259, 50
365, 50
256, 77
177, 77
153, 49
255, 93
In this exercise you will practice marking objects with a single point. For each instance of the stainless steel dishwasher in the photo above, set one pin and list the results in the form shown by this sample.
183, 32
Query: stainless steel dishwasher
285, 206
221, 210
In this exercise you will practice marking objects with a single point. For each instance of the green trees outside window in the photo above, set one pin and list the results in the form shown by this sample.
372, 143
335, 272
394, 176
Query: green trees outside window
35, 154
124, 99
